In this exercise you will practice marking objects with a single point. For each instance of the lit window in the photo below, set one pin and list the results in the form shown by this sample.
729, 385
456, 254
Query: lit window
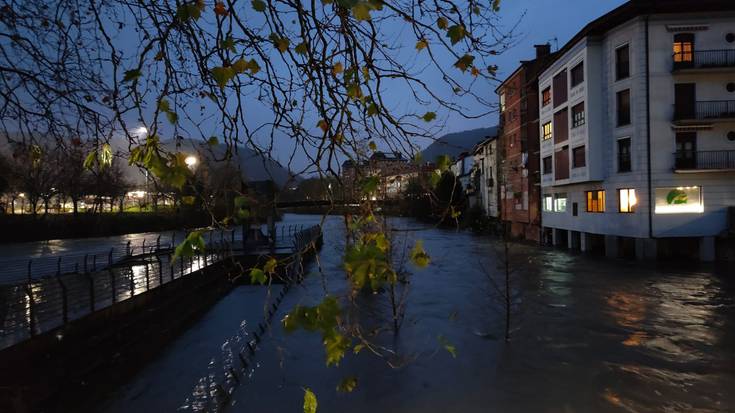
683, 47
548, 203
560, 202
595, 201
627, 200
679, 200
546, 96
578, 115
546, 130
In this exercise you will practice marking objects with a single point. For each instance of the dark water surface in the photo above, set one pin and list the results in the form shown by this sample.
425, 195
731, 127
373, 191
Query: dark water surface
589, 335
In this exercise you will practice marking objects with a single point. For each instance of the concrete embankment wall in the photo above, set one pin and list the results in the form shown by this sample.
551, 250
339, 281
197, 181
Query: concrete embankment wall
87, 357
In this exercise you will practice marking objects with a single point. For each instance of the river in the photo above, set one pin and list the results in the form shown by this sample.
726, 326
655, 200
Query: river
589, 334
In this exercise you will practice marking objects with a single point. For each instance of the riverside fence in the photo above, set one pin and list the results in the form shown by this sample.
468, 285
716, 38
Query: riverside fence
40, 294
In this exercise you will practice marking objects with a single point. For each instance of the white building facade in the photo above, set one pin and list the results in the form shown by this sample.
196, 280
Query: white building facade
486, 176
637, 131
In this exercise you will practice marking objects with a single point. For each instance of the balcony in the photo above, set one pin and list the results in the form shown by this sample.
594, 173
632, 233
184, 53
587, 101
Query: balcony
711, 110
704, 161
704, 59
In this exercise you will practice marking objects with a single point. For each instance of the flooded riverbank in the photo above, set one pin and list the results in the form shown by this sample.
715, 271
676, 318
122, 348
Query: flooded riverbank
588, 334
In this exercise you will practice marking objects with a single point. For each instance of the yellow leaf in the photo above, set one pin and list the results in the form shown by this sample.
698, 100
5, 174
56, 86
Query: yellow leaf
361, 11
323, 125
337, 68
475, 71
421, 44
442, 23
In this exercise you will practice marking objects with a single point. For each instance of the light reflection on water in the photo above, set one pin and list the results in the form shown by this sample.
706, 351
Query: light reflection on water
590, 334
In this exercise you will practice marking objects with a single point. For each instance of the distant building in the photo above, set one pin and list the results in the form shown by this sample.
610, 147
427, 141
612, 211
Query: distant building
393, 169
463, 168
518, 142
637, 131
486, 176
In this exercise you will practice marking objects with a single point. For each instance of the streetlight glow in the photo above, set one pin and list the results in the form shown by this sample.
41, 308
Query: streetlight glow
191, 161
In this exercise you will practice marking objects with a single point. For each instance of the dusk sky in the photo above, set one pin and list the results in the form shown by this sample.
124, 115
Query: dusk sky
545, 21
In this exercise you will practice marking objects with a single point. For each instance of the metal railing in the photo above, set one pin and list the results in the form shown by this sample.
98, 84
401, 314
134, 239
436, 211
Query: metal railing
704, 110
41, 294
703, 59
702, 160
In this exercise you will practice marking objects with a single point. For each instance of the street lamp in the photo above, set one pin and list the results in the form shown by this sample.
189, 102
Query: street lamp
191, 161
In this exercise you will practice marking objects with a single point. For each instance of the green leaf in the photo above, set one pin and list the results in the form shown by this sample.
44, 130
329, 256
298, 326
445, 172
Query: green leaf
163, 105
429, 116
370, 184
310, 402
222, 75
361, 11
443, 162
172, 117
456, 33
258, 5
190, 10
188, 200
90, 160
270, 266
442, 23
212, 141
372, 109
434, 178
281, 43
131, 75
419, 257
194, 242
104, 155
464, 62
496, 5
228, 44
347, 385
301, 49
258, 276
448, 346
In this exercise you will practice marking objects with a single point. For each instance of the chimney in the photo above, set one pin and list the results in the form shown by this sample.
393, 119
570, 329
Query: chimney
542, 50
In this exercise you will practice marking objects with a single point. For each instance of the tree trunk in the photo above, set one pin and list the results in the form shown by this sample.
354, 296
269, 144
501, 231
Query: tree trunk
75, 204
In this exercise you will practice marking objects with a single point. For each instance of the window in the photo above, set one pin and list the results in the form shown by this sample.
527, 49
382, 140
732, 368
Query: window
624, 155
577, 74
561, 163
547, 165
560, 202
679, 200
561, 125
578, 115
548, 203
622, 62
560, 88
502, 102
578, 157
575, 209
546, 96
546, 130
623, 100
595, 201
683, 49
627, 200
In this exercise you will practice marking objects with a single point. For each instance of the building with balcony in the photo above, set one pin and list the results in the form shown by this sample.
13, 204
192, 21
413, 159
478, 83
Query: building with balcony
637, 131
518, 143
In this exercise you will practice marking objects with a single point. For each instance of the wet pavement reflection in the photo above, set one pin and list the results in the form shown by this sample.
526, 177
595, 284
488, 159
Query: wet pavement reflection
588, 335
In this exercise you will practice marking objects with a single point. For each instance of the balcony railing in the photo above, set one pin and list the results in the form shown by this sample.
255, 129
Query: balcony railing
705, 110
704, 59
704, 160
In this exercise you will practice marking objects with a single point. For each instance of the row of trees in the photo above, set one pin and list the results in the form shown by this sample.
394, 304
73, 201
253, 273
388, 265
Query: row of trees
47, 177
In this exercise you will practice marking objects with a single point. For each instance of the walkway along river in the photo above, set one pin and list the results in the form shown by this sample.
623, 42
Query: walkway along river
589, 334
